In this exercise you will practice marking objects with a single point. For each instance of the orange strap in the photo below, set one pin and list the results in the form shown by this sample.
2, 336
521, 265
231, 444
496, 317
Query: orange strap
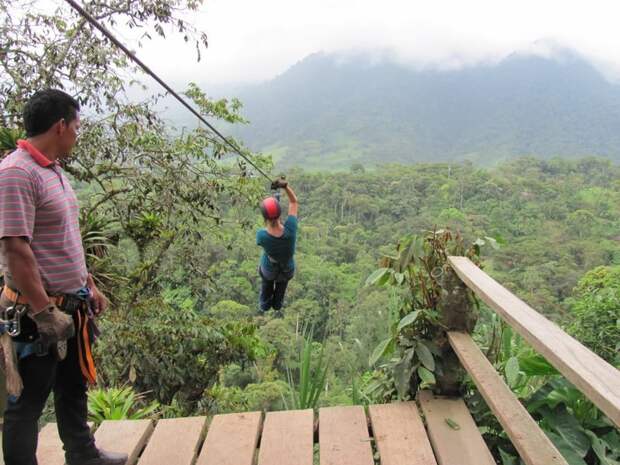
20, 299
87, 364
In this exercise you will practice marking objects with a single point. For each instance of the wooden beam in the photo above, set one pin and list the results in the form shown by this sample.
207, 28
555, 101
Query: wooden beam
288, 438
232, 439
343, 436
531, 442
49, 447
452, 431
124, 436
400, 435
596, 378
175, 441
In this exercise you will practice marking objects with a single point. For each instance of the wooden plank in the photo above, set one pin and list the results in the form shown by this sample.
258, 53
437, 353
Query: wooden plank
532, 444
49, 448
124, 436
231, 440
287, 438
460, 443
343, 436
596, 378
400, 435
175, 441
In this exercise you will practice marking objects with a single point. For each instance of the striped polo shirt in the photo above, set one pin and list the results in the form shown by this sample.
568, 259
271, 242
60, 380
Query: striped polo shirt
38, 203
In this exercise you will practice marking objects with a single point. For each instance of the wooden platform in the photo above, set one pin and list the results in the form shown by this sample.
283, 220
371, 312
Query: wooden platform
391, 434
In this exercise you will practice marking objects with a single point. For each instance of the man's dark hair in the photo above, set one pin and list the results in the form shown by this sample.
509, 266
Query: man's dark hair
45, 108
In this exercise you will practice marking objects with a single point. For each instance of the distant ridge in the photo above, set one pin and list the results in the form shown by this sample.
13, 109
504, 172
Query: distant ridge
331, 111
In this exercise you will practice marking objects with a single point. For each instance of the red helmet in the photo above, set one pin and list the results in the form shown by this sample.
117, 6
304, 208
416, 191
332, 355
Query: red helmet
270, 208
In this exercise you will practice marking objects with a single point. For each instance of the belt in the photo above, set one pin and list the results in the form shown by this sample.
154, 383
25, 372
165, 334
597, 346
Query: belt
66, 302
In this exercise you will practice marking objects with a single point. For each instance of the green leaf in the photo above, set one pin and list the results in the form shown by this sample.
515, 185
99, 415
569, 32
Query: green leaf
512, 371
453, 424
376, 276
600, 449
492, 241
426, 376
565, 449
507, 459
425, 357
613, 440
506, 342
408, 319
384, 347
536, 365
567, 426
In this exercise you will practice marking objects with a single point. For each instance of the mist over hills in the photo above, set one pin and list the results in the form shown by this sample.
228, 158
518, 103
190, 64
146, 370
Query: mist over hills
331, 111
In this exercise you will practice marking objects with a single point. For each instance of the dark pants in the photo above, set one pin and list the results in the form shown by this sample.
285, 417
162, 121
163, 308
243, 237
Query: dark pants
273, 288
41, 375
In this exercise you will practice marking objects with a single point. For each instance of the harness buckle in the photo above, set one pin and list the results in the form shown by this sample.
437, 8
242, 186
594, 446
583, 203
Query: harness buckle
12, 319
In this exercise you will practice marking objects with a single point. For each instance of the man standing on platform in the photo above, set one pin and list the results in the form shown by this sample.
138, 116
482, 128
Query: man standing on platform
47, 287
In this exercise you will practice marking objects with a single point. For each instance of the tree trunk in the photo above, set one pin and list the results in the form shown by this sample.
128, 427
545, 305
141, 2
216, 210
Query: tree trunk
457, 314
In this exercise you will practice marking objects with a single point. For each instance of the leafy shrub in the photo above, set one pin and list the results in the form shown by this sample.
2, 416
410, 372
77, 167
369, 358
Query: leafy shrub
173, 353
118, 404
418, 275
311, 373
596, 309
265, 396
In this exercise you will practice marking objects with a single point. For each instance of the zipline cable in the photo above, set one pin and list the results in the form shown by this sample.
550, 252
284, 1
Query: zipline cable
147, 70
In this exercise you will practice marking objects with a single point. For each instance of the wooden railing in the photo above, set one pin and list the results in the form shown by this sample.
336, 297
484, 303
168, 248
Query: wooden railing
597, 379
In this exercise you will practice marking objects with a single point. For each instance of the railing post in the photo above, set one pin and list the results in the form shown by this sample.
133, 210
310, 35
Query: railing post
457, 314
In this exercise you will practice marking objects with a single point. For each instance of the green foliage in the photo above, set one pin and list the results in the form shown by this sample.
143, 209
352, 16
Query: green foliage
264, 396
595, 308
308, 385
573, 423
119, 404
9, 138
170, 352
416, 275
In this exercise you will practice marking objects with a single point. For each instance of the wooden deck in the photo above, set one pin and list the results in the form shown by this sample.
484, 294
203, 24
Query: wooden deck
391, 434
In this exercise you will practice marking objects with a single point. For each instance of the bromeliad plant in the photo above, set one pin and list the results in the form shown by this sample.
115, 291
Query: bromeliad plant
312, 374
119, 404
423, 287
9, 138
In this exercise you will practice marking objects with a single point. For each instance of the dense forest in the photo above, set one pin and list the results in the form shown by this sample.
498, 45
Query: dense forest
168, 224
549, 234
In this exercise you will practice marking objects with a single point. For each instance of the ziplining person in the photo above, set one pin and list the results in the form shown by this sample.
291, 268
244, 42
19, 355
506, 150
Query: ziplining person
277, 272
277, 263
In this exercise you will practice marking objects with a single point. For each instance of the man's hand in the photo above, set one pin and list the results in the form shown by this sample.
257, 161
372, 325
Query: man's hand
52, 324
99, 301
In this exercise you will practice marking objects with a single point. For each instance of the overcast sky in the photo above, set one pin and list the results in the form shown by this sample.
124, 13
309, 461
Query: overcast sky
253, 40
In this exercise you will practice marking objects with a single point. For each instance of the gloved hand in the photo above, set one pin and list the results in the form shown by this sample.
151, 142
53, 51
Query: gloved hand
52, 324
279, 183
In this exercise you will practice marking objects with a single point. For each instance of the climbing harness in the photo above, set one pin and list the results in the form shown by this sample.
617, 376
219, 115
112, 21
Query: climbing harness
76, 305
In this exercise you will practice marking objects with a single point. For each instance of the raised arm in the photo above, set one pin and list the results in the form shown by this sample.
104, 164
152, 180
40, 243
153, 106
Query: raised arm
292, 201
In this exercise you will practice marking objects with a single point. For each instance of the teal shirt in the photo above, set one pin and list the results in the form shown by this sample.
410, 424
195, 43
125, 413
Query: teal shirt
281, 249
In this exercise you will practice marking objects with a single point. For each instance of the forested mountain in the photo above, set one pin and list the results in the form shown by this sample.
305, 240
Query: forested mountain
330, 112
